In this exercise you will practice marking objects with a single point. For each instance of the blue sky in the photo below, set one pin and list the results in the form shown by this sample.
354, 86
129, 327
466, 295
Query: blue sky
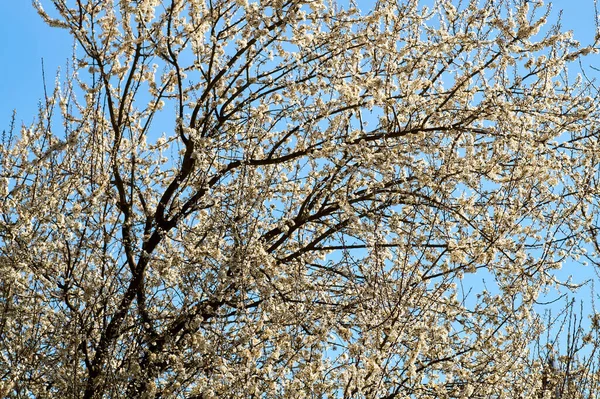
24, 41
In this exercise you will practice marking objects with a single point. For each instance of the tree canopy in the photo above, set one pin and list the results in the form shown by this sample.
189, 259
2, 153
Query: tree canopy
299, 199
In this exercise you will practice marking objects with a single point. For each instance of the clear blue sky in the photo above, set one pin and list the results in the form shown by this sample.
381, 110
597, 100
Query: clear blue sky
24, 41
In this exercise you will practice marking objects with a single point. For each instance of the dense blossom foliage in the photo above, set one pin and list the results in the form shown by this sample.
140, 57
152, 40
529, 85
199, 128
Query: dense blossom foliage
297, 199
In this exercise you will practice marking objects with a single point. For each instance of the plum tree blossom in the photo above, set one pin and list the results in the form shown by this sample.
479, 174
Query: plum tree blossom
298, 199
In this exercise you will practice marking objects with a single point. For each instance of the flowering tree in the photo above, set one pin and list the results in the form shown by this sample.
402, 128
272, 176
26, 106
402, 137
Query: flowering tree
294, 198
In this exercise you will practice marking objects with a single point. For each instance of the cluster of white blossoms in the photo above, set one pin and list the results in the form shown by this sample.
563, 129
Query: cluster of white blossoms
297, 199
